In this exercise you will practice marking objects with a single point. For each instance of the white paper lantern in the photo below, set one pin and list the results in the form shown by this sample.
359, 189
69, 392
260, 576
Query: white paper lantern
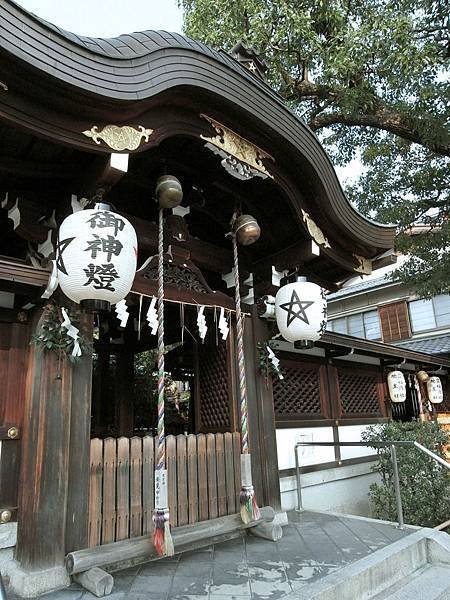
397, 386
301, 311
96, 256
434, 390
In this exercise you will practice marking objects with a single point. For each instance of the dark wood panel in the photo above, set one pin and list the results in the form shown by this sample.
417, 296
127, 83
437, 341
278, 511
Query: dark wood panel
9, 474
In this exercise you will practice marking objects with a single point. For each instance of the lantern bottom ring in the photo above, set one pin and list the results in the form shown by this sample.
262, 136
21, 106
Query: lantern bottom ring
303, 344
95, 305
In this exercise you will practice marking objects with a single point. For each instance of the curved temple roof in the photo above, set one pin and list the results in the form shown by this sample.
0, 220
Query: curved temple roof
135, 68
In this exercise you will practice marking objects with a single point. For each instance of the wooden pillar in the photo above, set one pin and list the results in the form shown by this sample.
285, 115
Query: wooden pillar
79, 448
45, 462
55, 461
262, 431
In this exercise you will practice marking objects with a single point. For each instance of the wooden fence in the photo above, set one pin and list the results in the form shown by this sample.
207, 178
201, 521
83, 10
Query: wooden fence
203, 475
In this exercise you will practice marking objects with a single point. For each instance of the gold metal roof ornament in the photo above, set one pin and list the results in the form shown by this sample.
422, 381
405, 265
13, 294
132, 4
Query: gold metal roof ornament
119, 138
241, 158
314, 231
365, 265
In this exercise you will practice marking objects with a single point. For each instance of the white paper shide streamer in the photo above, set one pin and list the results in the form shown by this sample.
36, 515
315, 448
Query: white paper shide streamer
201, 323
152, 317
122, 313
223, 325
275, 362
52, 281
72, 332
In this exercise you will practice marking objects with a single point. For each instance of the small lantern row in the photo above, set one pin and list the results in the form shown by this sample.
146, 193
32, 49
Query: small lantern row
397, 387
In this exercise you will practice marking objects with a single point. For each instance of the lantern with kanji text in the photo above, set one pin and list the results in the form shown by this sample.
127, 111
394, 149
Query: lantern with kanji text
96, 257
434, 390
396, 386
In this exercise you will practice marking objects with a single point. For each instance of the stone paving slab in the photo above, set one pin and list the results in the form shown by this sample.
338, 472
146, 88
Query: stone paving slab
249, 568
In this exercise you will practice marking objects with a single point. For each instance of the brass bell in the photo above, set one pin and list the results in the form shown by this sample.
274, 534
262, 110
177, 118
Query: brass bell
422, 376
246, 230
169, 192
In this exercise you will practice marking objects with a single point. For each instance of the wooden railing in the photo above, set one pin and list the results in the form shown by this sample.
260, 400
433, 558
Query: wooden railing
203, 475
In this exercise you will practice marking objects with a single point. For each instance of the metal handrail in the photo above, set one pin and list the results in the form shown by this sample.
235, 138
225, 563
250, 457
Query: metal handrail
392, 445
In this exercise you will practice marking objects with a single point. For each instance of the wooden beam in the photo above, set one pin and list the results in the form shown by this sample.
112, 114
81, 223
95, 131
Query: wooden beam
203, 254
290, 257
20, 272
141, 549
149, 287
103, 174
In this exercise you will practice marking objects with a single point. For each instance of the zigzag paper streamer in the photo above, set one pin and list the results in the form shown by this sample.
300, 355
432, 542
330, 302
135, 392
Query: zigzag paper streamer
152, 317
122, 313
72, 332
223, 325
52, 281
201, 323
275, 361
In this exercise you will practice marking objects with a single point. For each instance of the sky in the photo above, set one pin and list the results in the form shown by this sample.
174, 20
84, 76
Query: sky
110, 18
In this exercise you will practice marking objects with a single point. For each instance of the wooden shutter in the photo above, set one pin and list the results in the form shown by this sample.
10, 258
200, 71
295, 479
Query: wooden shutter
394, 321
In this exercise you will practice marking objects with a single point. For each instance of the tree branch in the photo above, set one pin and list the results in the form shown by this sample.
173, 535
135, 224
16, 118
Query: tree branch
383, 118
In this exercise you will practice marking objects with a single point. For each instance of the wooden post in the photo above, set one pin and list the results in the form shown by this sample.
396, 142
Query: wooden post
46, 460
80, 433
262, 431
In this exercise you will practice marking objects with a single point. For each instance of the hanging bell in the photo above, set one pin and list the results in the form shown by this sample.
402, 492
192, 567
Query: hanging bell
423, 376
169, 192
246, 230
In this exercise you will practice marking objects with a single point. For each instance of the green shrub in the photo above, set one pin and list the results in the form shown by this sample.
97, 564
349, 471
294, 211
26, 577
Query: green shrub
424, 484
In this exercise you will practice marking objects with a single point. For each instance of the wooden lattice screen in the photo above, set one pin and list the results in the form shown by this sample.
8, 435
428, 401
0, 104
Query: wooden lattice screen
359, 391
299, 393
214, 388
203, 476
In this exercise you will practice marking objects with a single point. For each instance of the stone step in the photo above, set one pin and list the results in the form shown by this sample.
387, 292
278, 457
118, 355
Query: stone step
416, 567
430, 582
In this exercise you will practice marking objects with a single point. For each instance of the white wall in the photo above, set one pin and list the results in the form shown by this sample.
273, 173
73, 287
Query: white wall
312, 455
340, 489
352, 433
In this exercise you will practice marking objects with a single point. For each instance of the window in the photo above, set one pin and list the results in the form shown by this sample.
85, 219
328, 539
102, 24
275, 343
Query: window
362, 325
429, 314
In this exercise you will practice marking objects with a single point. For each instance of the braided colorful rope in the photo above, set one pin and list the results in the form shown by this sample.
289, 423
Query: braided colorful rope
162, 539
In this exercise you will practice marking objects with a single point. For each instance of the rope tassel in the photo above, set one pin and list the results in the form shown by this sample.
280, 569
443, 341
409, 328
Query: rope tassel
162, 537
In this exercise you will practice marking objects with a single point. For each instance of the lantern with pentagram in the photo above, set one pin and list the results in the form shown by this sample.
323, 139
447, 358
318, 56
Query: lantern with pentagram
96, 257
301, 311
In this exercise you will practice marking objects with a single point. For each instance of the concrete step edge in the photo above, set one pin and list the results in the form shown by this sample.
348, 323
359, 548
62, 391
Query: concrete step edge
375, 573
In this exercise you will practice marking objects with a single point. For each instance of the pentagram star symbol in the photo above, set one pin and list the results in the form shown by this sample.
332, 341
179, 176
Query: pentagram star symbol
61, 246
296, 313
